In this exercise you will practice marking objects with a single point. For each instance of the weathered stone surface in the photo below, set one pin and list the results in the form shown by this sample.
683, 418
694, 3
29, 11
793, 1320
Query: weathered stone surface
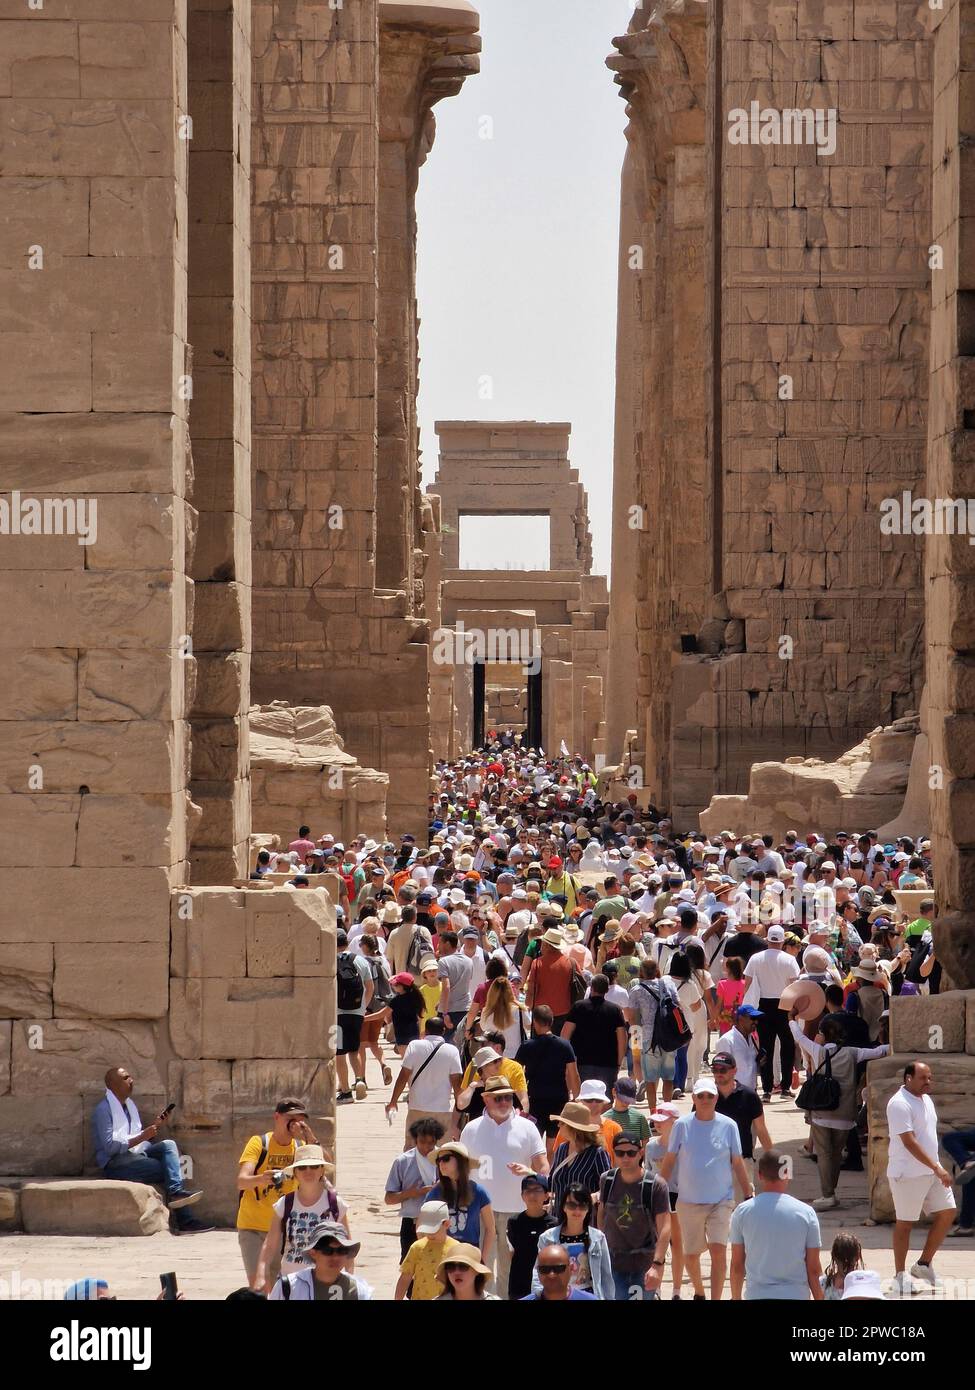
92, 1208
859, 787
9, 1208
130, 981
65, 1056
43, 1139
26, 974
6, 1029
929, 1025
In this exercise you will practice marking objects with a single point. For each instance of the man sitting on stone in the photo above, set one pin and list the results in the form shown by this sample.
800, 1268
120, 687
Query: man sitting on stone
129, 1152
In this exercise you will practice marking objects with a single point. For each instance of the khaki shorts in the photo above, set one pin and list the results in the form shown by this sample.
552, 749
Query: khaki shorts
251, 1244
916, 1196
701, 1226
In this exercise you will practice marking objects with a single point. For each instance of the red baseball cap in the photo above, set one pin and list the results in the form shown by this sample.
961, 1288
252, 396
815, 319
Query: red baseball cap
555, 863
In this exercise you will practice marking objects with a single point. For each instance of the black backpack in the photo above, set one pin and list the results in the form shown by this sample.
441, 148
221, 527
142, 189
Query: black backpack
821, 1091
670, 1028
348, 983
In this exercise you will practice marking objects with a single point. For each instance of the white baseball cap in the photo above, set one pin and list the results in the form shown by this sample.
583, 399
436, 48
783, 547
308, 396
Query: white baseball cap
704, 1086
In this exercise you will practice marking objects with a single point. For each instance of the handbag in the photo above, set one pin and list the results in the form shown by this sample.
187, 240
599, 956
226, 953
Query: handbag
821, 1091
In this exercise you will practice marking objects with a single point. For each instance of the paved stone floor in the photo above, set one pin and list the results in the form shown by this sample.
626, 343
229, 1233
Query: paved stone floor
209, 1266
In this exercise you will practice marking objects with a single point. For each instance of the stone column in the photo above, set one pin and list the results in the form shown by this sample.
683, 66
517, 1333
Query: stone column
623, 674
662, 416
950, 560
425, 53
219, 330
93, 738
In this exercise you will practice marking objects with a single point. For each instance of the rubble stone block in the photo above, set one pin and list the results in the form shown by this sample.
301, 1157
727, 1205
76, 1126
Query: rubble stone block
100, 1207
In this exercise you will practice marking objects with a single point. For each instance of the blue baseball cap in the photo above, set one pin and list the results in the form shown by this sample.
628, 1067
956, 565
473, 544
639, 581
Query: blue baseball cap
749, 1010
535, 1180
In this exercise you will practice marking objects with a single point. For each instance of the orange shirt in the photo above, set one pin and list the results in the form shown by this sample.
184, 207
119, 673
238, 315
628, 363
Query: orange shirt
608, 1128
552, 980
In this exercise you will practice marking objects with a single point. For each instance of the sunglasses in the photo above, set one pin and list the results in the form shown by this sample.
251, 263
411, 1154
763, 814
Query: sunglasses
330, 1250
457, 1268
551, 1269
626, 1153
719, 1067
445, 1158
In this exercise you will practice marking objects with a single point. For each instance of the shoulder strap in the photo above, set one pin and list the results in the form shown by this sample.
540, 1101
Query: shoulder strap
646, 1193
606, 1184
289, 1203
265, 1144
425, 1063
286, 1287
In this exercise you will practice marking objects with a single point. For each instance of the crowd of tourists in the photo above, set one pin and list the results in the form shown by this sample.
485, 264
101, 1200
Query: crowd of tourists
586, 1021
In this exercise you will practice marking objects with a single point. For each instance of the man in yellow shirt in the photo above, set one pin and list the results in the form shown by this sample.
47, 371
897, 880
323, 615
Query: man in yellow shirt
425, 1254
562, 884
257, 1186
512, 1071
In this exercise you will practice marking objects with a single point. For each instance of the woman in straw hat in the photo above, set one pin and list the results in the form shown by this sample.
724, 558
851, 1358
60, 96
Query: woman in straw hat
471, 1217
589, 1259
581, 1157
297, 1214
463, 1277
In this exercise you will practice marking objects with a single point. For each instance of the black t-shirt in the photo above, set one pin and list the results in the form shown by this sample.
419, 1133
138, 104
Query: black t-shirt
743, 1106
743, 945
594, 1039
855, 1030
523, 1233
545, 1059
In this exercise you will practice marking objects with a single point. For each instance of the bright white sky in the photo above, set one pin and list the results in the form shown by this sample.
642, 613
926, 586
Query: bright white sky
518, 240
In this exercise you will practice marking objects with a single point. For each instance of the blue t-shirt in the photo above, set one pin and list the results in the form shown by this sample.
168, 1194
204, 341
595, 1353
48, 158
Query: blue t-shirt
776, 1232
704, 1153
465, 1222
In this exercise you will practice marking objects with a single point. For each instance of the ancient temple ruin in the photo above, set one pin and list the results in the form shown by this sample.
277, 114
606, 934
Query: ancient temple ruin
534, 660
208, 325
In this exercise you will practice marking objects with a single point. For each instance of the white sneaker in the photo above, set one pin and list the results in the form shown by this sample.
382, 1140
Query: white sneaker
904, 1285
361, 1089
924, 1274
825, 1203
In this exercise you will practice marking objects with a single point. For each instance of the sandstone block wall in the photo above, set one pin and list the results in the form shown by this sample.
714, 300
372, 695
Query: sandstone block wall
950, 560
338, 605
806, 275
124, 381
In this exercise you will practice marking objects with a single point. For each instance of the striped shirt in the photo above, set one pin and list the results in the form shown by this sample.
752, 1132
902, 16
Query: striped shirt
587, 1168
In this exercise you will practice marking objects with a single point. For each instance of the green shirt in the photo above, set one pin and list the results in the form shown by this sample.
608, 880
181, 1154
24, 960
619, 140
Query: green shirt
917, 928
632, 1122
609, 907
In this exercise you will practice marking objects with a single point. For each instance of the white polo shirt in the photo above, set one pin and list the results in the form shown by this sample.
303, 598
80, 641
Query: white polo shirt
432, 1091
515, 1141
907, 1113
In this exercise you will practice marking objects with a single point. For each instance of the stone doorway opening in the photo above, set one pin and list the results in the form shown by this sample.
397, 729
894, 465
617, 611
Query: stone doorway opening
507, 697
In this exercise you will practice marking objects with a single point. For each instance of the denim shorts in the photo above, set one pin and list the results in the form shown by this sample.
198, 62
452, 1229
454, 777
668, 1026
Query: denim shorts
658, 1066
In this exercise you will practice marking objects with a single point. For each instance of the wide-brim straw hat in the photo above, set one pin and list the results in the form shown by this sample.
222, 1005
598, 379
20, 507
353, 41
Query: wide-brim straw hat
809, 997
453, 1146
553, 937
460, 1254
575, 1115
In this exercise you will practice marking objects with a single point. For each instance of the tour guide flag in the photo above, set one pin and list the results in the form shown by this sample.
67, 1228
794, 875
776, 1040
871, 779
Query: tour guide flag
563, 751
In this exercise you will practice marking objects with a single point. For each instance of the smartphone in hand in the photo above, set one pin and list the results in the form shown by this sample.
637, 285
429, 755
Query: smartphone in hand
170, 1292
